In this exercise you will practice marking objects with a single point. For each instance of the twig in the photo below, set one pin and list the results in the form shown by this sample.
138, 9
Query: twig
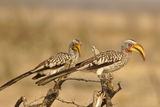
70, 102
117, 90
97, 99
36, 100
20, 100
81, 79
36, 105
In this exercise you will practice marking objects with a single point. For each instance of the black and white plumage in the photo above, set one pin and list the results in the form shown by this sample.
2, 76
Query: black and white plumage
102, 62
54, 64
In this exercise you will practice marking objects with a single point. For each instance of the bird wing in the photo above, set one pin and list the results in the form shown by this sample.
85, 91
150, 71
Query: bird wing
100, 60
53, 62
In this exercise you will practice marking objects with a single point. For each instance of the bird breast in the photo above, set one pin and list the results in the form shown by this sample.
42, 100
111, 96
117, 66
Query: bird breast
115, 66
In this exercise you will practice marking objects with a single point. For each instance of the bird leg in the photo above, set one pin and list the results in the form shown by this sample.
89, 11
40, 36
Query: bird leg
100, 73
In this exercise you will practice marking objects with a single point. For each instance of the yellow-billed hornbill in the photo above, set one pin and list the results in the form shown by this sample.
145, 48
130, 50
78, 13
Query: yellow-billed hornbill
54, 64
102, 62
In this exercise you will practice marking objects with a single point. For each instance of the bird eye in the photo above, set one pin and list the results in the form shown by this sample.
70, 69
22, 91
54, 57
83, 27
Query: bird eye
77, 44
129, 45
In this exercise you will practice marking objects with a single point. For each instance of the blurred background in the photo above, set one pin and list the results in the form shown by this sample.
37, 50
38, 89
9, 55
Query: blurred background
33, 30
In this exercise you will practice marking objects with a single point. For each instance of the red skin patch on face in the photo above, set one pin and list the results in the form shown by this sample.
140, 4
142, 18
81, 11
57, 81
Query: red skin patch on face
127, 50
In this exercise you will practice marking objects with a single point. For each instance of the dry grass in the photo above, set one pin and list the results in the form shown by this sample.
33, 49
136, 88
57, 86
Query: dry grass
30, 35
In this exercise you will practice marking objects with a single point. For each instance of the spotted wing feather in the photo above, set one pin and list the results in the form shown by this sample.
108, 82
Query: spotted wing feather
53, 62
100, 60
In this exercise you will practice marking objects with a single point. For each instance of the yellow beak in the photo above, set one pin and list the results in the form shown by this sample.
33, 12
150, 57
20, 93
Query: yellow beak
138, 49
78, 48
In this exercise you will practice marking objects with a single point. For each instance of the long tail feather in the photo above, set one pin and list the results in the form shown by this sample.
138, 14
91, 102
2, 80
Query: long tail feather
14, 80
52, 77
20, 77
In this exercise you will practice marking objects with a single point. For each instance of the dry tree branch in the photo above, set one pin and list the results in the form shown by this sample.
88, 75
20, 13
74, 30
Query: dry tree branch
49, 98
20, 100
103, 97
81, 79
117, 90
36, 100
100, 98
97, 98
52, 94
70, 102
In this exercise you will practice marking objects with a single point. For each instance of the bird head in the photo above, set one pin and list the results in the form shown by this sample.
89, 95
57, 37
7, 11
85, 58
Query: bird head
76, 46
132, 46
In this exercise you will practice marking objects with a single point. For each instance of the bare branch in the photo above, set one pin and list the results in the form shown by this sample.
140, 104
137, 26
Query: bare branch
81, 79
104, 96
20, 100
53, 93
69, 102
108, 100
117, 90
97, 99
100, 98
36, 100
36, 105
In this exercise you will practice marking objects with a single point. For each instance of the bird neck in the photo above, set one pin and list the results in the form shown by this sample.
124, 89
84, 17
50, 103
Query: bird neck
124, 52
74, 54
125, 55
123, 48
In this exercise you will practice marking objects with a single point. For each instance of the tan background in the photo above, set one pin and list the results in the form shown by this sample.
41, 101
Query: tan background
31, 31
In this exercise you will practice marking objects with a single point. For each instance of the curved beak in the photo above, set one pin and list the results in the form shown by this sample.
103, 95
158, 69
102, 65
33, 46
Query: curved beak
78, 48
138, 49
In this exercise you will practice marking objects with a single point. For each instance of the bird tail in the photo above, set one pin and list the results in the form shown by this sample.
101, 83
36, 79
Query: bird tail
18, 78
14, 80
38, 76
52, 77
